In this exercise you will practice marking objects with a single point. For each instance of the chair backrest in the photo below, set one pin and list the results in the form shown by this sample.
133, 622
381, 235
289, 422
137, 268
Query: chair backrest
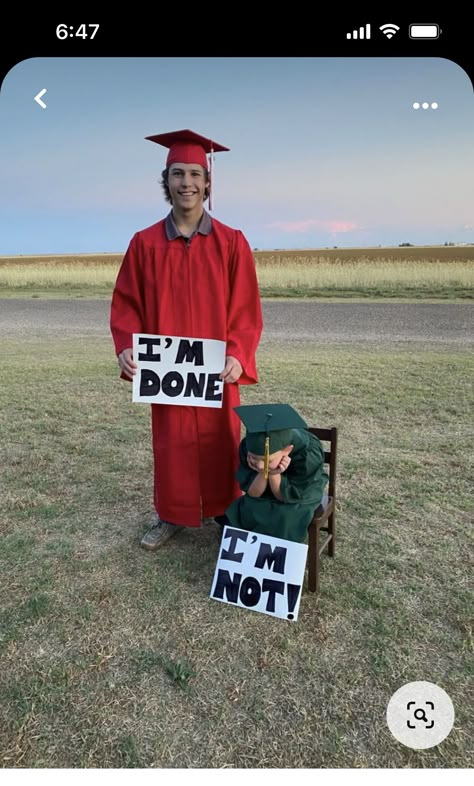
329, 435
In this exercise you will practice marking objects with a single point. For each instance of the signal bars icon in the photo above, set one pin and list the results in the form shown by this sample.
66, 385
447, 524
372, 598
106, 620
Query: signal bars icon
361, 33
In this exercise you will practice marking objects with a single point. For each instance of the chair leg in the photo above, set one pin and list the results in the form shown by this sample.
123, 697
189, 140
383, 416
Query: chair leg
313, 559
332, 531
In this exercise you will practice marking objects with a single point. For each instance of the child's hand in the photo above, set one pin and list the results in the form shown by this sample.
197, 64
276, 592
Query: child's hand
282, 466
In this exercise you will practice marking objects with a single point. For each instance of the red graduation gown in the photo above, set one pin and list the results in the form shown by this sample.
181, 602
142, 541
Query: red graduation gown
205, 289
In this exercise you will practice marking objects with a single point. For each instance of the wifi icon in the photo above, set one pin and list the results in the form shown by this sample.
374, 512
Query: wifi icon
389, 30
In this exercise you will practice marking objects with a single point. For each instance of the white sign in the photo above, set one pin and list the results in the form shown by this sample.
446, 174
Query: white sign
178, 370
260, 573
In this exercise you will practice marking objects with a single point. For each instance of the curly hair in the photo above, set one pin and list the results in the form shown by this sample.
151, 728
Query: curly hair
166, 190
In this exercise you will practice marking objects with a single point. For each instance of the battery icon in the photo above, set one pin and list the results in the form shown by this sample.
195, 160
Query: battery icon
424, 31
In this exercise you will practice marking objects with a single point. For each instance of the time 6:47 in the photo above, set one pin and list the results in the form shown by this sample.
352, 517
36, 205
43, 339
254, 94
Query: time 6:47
81, 31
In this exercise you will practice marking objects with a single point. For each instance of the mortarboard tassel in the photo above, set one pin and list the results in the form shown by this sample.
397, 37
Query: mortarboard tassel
266, 460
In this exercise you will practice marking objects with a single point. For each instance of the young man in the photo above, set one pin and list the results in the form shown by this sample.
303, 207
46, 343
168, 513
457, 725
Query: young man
190, 275
281, 470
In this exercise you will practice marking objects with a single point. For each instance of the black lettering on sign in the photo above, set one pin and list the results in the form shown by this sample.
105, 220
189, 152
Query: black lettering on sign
293, 592
228, 585
149, 383
172, 383
149, 354
234, 536
250, 591
188, 352
272, 587
277, 556
195, 387
211, 393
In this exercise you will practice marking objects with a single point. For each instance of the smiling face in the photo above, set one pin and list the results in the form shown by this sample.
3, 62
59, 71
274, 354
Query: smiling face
187, 185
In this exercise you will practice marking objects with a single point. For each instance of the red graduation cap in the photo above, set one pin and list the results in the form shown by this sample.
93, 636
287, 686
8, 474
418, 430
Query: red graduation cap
187, 147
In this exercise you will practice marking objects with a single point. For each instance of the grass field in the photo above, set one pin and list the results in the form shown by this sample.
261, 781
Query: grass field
113, 657
441, 272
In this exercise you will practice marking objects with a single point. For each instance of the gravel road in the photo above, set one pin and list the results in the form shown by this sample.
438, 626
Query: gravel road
285, 321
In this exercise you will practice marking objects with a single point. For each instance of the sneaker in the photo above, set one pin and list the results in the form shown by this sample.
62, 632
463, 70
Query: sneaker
158, 535
223, 521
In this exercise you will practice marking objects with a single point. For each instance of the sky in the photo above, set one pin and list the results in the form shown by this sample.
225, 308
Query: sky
323, 151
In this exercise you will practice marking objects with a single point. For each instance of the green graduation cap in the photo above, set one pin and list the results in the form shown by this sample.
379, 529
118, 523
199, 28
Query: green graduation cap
269, 426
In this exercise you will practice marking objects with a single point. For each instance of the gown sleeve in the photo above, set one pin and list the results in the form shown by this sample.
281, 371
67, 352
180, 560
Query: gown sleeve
126, 311
244, 321
307, 478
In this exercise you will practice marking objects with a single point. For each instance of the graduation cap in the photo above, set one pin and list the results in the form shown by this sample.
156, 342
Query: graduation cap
187, 147
269, 427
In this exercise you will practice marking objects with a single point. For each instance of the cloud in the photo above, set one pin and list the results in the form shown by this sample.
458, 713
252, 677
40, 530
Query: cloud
333, 226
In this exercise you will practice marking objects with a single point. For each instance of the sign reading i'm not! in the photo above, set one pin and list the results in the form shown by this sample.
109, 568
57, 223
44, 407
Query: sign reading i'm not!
260, 573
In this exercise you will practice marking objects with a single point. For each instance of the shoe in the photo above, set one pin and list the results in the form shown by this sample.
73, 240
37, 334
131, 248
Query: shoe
158, 535
223, 521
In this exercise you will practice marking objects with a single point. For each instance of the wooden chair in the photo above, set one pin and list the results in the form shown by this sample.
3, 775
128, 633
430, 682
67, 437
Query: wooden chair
325, 513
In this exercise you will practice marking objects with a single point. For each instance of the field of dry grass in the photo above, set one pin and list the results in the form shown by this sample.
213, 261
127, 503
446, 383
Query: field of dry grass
60, 260
341, 256
442, 272
305, 257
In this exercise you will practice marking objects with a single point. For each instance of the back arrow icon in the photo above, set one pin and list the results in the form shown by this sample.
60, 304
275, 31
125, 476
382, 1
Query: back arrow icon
38, 98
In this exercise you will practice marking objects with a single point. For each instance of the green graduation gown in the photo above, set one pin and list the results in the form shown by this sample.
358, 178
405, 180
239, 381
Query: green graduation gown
302, 488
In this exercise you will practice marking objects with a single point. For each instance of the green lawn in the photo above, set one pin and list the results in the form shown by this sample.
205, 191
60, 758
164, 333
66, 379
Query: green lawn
114, 657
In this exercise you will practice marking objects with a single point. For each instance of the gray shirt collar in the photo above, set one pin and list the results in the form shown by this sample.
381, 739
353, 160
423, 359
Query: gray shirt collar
172, 231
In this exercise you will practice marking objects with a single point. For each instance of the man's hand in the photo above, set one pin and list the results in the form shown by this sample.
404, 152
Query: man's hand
126, 362
232, 370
